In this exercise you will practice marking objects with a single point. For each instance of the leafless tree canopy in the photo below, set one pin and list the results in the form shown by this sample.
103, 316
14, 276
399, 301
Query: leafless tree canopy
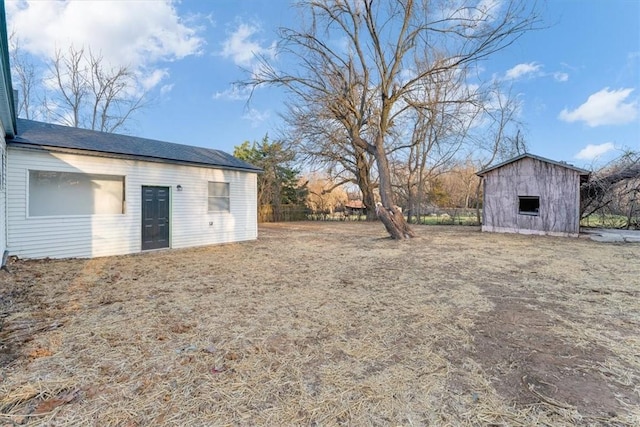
324, 196
359, 71
24, 74
615, 190
78, 89
89, 94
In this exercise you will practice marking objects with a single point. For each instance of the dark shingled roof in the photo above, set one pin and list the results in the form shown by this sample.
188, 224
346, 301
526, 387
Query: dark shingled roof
32, 134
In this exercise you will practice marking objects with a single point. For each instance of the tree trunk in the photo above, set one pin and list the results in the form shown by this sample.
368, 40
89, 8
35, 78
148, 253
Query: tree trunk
394, 221
369, 202
390, 214
364, 183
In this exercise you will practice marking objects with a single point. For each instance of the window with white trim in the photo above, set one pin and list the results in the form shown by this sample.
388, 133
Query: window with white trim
218, 198
71, 193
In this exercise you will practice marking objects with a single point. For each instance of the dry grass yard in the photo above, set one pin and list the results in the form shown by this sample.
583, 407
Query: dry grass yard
322, 324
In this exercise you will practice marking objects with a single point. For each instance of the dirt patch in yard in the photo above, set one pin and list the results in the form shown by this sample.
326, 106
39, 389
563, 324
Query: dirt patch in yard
328, 324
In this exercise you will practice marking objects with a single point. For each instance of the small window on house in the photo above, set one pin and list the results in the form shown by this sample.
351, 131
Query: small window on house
69, 193
528, 205
218, 197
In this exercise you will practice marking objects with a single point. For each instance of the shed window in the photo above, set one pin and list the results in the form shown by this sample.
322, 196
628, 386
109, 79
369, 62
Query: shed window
529, 205
218, 197
70, 193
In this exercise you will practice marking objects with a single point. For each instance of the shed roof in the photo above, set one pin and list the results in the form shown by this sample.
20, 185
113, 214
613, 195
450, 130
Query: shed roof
582, 172
50, 137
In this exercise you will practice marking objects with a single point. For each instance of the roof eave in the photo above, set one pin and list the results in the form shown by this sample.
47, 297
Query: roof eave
54, 149
7, 108
582, 172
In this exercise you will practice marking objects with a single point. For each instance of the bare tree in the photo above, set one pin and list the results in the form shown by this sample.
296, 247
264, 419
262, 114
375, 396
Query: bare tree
615, 189
112, 94
24, 76
444, 110
503, 137
80, 90
89, 94
460, 184
324, 195
69, 73
358, 61
325, 145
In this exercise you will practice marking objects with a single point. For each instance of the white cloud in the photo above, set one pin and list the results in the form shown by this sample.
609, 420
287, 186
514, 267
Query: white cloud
559, 76
256, 117
487, 9
533, 69
152, 79
606, 107
522, 70
135, 34
592, 151
234, 93
242, 48
165, 89
473, 17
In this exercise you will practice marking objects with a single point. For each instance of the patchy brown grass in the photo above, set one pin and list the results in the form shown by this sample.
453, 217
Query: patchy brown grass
328, 324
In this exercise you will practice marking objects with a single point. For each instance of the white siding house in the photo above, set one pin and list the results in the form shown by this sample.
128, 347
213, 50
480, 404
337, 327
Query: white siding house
7, 126
3, 186
69, 192
532, 195
79, 193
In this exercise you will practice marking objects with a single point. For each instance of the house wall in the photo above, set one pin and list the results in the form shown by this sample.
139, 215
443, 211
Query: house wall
3, 190
113, 234
559, 191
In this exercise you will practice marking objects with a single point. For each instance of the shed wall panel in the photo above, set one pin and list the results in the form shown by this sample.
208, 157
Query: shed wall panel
557, 187
112, 234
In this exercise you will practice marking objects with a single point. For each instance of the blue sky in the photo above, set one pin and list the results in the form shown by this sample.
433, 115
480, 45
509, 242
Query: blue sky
578, 80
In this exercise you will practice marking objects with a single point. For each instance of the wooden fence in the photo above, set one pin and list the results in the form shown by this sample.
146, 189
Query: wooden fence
286, 213
271, 213
450, 216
